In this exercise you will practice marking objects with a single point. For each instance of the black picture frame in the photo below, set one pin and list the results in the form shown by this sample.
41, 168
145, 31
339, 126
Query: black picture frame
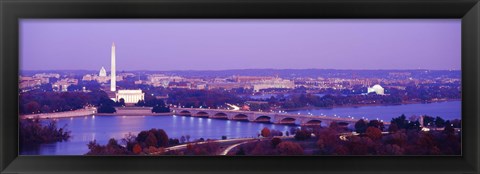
13, 10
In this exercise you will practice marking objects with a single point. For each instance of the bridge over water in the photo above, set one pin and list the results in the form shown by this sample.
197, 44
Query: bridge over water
264, 117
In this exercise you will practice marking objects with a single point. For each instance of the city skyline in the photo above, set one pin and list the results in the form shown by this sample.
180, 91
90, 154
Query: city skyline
164, 45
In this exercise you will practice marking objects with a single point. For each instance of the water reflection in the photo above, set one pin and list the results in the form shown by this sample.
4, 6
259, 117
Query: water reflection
102, 128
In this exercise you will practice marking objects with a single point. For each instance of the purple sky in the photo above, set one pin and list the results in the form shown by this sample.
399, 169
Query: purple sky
171, 44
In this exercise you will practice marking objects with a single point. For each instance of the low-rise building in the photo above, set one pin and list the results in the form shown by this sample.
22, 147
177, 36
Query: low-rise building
130, 96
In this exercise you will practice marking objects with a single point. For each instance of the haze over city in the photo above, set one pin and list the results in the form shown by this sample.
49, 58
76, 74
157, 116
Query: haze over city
169, 44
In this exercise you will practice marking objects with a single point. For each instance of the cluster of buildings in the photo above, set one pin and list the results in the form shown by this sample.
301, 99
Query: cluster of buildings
58, 84
36, 80
256, 83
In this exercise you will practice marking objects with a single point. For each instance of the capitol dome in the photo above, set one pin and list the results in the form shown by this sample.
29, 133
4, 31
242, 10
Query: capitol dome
377, 89
103, 72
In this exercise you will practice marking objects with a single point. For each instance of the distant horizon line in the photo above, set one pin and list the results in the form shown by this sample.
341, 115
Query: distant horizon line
266, 69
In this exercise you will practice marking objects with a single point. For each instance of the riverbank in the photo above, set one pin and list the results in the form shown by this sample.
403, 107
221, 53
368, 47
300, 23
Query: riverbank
121, 111
66, 114
135, 114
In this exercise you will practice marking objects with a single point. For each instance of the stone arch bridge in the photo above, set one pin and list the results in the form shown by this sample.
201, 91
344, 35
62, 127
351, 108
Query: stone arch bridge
264, 117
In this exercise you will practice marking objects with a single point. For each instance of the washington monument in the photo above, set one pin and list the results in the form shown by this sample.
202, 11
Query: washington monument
113, 76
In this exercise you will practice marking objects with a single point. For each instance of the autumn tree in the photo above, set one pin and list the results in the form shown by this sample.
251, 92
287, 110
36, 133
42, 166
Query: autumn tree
151, 140
265, 132
275, 142
161, 137
373, 133
289, 148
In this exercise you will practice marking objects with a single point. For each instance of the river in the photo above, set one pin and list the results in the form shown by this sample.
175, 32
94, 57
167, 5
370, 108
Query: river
447, 110
102, 128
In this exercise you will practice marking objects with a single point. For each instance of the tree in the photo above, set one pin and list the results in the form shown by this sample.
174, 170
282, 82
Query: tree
160, 109
265, 132
376, 124
151, 140
373, 133
414, 125
334, 125
428, 121
32, 107
361, 126
328, 141
129, 141
121, 102
142, 136
32, 132
302, 135
401, 122
289, 148
275, 142
439, 122
182, 139
106, 106
448, 128
161, 136
392, 128
456, 123
112, 148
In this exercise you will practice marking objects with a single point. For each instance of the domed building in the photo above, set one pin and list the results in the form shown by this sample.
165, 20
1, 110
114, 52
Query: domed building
377, 89
103, 72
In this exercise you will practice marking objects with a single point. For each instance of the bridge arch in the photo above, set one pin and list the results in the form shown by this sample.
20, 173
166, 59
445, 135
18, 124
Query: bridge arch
240, 117
201, 114
263, 118
288, 120
185, 113
220, 115
313, 122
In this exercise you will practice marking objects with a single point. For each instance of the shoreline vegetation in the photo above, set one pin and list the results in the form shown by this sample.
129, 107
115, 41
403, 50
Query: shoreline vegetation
33, 133
369, 138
